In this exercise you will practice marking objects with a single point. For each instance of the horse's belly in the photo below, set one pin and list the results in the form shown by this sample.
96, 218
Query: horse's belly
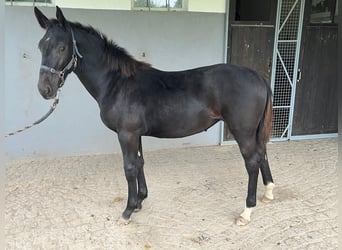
179, 133
182, 125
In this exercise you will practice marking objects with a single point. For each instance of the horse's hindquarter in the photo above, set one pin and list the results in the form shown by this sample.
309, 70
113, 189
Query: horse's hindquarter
242, 95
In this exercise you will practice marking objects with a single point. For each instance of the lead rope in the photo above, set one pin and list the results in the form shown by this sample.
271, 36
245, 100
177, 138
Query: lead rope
52, 108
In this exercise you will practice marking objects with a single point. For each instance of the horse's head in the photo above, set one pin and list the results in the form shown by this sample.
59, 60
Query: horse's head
59, 53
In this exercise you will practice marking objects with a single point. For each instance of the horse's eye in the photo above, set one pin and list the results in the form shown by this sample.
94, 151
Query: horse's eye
62, 48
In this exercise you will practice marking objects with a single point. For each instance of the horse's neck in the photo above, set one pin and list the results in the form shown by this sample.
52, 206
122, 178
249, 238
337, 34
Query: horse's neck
91, 69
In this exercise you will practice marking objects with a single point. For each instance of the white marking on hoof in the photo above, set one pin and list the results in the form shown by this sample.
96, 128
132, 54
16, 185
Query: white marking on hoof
241, 221
265, 200
122, 221
268, 196
245, 217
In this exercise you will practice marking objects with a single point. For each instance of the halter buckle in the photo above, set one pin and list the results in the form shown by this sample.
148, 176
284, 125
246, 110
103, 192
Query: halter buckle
61, 74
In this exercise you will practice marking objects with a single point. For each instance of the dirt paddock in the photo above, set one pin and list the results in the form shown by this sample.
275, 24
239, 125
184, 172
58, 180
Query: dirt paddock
195, 194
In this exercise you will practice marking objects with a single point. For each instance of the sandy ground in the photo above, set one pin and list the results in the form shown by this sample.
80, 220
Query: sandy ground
195, 194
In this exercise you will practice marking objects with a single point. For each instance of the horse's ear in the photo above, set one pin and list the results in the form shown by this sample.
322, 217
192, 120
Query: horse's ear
41, 18
60, 17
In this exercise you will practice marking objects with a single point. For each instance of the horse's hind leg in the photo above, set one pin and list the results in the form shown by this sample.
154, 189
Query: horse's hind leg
142, 187
266, 174
255, 157
248, 149
266, 177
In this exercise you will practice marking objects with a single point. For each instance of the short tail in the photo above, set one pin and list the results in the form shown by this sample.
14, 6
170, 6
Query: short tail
265, 125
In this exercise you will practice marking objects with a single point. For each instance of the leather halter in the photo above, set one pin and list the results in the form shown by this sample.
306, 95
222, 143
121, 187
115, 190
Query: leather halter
69, 67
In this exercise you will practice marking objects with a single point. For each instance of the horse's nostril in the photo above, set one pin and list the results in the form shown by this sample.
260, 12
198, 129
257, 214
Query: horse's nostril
48, 90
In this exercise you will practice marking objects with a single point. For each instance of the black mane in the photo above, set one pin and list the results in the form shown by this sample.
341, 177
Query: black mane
116, 57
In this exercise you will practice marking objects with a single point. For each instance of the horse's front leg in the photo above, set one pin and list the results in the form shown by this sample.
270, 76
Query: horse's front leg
129, 143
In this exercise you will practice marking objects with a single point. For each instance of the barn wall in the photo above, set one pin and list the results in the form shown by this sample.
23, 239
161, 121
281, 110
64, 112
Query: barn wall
169, 40
213, 6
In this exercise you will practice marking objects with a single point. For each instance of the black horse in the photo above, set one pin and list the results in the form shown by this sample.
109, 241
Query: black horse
137, 100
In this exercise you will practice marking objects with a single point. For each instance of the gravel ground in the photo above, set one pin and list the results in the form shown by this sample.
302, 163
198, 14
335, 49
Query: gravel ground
195, 194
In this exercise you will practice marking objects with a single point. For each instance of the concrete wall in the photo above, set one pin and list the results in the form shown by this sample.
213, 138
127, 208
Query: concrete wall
212, 6
170, 41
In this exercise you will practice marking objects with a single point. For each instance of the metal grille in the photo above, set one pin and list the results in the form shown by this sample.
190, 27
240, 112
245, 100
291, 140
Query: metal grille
285, 64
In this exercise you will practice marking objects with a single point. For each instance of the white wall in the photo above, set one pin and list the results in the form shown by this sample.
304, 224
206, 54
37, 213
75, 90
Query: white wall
213, 6
98, 4
218, 6
170, 40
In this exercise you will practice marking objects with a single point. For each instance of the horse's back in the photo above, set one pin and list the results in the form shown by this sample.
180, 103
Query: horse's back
186, 102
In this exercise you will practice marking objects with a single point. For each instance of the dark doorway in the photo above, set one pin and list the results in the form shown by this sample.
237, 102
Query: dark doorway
315, 110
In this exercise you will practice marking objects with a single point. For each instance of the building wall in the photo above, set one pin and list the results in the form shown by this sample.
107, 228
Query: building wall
169, 40
214, 6
98, 4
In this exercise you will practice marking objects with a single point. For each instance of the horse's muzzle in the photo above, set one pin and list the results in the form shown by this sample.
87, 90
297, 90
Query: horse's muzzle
46, 89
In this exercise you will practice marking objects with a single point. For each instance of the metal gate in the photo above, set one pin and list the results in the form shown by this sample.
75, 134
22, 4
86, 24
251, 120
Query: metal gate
285, 65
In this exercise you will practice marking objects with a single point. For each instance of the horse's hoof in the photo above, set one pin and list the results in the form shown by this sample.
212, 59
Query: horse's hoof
241, 221
266, 200
138, 208
122, 221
